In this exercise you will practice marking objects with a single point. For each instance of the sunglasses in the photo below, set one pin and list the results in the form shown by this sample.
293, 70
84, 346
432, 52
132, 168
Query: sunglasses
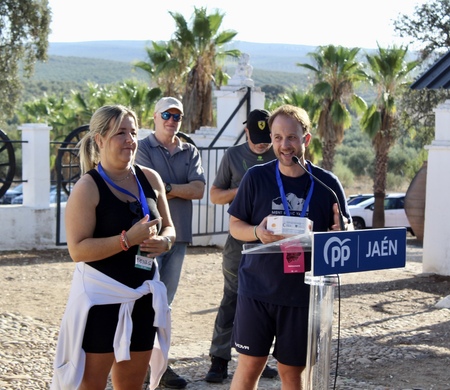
167, 115
136, 209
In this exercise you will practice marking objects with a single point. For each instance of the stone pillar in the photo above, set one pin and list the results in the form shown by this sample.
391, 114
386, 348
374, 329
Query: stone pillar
229, 97
227, 101
436, 242
36, 165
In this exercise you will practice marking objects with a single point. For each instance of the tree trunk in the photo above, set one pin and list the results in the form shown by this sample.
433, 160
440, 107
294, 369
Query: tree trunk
329, 150
197, 100
381, 145
378, 211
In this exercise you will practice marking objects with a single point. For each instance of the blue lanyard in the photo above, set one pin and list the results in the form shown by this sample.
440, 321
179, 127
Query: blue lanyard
142, 200
283, 194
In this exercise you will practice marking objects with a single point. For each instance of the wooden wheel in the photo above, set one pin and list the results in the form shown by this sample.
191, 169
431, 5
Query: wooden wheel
7, 163
67, 161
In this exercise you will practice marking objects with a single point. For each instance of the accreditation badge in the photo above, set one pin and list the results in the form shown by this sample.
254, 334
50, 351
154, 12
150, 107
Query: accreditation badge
144, 262
293, 259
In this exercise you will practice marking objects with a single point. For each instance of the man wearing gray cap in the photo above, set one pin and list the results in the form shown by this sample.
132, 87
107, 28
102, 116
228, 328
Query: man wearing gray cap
179, 165
235, 162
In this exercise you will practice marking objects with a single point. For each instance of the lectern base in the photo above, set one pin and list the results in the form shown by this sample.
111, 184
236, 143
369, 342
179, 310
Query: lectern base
317, 372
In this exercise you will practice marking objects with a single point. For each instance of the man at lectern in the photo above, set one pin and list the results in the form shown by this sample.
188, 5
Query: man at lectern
272, 300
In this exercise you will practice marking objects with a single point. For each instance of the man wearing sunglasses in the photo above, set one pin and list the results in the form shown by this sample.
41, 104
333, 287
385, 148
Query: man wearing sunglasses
179, 165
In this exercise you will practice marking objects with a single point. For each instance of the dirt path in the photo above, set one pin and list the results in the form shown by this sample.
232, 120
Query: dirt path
391, 335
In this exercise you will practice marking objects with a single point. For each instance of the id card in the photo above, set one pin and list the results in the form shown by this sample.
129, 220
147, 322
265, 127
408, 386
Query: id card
294, 261
144, 262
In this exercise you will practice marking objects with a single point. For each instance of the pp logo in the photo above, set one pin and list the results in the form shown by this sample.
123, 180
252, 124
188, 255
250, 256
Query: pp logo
335, 251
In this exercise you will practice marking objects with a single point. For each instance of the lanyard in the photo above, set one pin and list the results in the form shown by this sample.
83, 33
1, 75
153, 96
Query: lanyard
142, 200
283, 194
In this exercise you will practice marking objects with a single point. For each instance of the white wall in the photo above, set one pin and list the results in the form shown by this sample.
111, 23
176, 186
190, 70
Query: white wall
436, 240
24, 228
32, 225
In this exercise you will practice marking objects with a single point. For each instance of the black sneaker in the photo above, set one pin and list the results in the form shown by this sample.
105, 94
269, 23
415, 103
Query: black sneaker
172, 380
218, 371
269, 372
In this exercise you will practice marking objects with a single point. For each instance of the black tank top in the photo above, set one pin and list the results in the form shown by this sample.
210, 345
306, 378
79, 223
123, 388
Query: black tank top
113, 216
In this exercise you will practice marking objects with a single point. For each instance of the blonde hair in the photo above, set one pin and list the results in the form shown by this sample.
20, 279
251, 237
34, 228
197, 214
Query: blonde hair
100, 124
297, 113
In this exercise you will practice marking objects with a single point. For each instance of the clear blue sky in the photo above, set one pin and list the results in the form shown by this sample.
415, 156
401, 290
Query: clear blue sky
349, 23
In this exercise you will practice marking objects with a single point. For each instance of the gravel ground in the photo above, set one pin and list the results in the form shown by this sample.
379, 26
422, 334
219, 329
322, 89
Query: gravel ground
391, 335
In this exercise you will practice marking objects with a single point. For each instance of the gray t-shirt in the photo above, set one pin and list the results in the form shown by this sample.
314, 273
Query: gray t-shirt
233, 166
235, 162
182, 167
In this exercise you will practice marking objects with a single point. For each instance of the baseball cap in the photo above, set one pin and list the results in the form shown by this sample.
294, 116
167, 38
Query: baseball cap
258, 127
166, 103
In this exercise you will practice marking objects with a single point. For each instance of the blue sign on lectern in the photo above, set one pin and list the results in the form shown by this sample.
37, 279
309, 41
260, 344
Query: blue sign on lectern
358, 250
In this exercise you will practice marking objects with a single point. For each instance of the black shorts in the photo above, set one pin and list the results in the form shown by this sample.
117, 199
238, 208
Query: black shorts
102, 322
257, 323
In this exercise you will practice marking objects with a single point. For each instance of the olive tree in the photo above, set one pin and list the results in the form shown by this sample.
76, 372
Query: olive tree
428, 27
24, 30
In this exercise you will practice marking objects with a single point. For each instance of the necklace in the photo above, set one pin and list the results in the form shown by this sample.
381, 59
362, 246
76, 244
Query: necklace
123, 179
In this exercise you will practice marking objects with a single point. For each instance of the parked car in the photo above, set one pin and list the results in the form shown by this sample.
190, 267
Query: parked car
358, 198
53, 196
9, 195
394, 212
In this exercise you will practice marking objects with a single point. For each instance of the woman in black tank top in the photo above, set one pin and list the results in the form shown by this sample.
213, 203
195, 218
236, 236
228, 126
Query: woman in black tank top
117, 221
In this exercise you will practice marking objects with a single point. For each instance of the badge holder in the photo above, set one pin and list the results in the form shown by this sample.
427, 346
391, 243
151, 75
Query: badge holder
143, 262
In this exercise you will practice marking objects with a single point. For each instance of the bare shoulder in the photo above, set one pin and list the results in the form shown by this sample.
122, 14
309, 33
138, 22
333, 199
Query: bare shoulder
152, 176
86, 182
85, 190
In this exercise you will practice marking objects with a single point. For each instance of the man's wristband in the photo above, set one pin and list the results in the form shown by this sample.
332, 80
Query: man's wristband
254, 232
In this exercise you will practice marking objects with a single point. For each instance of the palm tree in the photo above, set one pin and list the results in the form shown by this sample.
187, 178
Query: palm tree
58, 112
337, 72
309, 102
85, 103
204, 43
134, 94
167, 67
55, 111
193, 53
389, 72
140, 98
64, 115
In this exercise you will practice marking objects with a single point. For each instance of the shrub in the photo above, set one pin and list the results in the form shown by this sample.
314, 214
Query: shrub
345, 175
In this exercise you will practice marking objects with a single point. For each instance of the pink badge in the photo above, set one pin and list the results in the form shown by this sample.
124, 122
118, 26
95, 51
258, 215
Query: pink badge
294, 259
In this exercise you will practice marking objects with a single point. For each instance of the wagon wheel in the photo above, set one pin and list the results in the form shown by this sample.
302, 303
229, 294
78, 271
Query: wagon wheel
68, 162
7, 163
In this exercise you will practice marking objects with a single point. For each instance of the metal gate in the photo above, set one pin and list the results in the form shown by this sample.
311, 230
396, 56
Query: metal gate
210, 219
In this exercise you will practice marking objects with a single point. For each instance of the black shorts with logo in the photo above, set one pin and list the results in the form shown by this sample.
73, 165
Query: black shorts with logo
257, 323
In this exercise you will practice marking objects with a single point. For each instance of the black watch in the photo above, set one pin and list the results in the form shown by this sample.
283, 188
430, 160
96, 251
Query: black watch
168, 188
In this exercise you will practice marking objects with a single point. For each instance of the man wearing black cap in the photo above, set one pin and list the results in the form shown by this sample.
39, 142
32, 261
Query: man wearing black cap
235, 162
